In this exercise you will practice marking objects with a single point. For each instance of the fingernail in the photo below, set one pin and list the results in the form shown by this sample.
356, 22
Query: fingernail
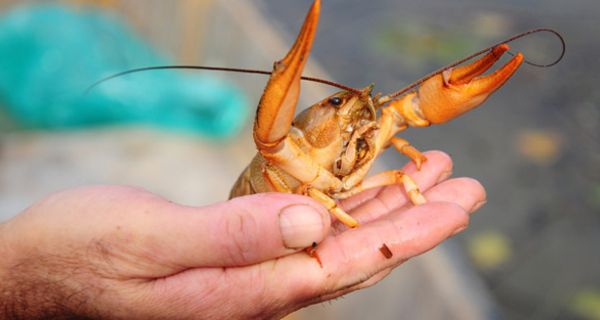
477, 206
444, 175
300, 225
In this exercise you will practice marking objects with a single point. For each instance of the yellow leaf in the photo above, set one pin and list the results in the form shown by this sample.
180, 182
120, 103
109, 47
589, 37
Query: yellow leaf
586, 303
489, 249
542, 147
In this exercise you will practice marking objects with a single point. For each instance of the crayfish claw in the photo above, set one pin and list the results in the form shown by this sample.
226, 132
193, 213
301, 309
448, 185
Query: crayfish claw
466, 73
488, 84
446, 96
278, 103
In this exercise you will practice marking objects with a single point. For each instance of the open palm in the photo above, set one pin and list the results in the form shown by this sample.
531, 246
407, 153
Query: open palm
120, 252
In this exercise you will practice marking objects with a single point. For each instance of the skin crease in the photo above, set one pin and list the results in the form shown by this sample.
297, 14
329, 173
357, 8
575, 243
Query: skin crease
121, 252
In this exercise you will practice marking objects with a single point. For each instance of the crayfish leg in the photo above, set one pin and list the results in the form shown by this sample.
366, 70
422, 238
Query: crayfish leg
312, 252
332, 206
274, 179
387, 178
404, 147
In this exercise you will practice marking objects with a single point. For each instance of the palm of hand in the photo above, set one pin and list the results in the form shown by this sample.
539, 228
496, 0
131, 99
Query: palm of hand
120, 252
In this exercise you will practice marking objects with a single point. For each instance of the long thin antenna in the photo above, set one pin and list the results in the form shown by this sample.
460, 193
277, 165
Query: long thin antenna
341, 86
478, 53
226, 69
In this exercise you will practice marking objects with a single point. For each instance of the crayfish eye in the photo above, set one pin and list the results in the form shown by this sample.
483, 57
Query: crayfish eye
335, 101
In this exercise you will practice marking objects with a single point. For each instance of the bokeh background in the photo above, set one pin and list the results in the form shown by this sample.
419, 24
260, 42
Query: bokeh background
533, 252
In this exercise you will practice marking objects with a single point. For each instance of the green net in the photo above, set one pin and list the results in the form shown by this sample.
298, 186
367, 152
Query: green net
49, 55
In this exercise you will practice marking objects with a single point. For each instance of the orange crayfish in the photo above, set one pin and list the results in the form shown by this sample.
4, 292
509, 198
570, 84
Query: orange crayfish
327, 150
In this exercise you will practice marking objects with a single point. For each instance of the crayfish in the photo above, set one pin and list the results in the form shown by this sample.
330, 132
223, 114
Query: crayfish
327, 150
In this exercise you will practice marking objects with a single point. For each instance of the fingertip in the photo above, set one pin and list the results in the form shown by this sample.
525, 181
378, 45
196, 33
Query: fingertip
476, 186
465, 192
438, 158
438, 165
301, 226
456, 213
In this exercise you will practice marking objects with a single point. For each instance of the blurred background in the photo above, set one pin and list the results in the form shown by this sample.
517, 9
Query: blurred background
533, 252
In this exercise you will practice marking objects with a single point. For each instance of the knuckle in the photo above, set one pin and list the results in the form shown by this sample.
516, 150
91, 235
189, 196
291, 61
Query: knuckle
441, 157
241, 228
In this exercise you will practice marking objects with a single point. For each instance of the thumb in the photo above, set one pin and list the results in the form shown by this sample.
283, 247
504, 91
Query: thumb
247, 230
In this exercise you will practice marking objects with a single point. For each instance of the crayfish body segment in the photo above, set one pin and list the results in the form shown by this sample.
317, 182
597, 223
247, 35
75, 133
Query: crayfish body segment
328, 149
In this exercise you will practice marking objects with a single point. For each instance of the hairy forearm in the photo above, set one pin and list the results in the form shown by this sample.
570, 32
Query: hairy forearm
26, 297
13, 302
33, 288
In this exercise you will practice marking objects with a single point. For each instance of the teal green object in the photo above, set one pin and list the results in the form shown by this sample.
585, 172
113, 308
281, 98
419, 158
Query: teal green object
50, 54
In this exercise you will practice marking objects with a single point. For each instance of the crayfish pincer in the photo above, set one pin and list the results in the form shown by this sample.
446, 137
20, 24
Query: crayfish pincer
328, 149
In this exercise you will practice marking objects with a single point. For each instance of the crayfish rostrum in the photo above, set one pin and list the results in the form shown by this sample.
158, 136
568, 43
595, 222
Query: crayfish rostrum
328, 149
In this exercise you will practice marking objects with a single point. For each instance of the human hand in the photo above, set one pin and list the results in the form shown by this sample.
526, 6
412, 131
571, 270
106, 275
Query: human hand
120, 252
